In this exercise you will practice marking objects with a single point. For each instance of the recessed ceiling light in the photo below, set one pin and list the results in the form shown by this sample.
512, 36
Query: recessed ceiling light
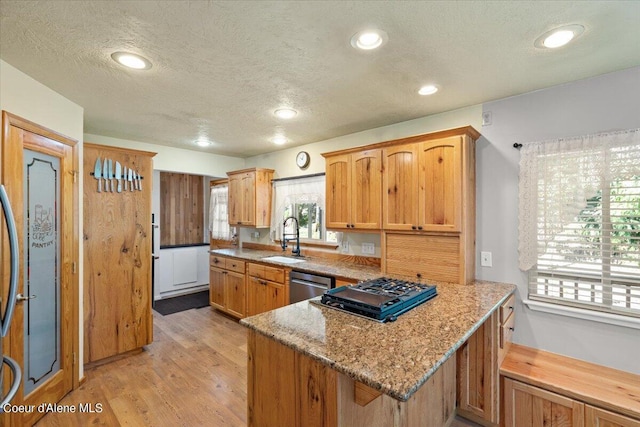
428, 90
559, 36
285, 113
203, 142
369, 39
279, 140
131, 60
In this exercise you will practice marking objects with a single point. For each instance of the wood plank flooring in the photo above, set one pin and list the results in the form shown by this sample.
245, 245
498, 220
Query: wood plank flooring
193, 374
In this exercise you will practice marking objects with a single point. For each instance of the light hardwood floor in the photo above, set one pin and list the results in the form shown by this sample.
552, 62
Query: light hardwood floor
193, 374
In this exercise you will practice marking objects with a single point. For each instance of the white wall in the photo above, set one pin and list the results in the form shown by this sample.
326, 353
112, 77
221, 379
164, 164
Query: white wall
283, 161
31, 100
172, 159
599, 104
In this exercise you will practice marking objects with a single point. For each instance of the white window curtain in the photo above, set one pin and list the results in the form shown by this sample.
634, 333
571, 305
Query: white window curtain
579, 220
294, 191
218, 213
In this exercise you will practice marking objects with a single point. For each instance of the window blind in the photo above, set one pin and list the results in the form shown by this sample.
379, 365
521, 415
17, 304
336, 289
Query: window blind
586, 211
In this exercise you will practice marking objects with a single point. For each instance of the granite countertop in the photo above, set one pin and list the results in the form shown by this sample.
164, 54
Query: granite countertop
330, 267
395, 358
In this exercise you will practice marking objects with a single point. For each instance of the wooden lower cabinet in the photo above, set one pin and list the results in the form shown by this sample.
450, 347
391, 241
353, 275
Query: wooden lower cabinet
227, 286
287, 388
596, 417
264, 295
477, 375
266, 288
526, 405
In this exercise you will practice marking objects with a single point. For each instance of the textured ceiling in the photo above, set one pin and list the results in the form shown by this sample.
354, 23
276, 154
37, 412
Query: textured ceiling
220, 69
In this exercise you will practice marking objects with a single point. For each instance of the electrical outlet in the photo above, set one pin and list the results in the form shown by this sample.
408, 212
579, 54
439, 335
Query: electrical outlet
256, 235
486, 118
344, 247
485, 259
368, 248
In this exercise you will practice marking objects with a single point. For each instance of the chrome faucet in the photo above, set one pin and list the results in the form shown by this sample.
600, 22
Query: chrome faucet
295, 251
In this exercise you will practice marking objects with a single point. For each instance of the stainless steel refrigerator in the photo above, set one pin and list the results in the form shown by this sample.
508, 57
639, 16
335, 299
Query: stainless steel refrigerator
10, 304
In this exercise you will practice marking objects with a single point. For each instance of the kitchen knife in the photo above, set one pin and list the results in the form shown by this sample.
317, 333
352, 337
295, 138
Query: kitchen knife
139, 182
105, 174
118, 176
111, 173
135, 180
97, 174
130, 179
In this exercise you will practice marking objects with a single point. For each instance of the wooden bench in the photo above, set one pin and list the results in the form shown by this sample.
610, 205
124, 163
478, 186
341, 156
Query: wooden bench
542, 388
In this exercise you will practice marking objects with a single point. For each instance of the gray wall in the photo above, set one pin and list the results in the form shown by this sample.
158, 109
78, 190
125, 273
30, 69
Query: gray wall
604, 103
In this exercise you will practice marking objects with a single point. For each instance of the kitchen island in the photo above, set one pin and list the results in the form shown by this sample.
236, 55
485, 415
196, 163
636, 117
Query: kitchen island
313, 365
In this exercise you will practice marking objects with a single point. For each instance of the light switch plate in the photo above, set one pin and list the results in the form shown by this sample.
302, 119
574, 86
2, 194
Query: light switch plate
344, 247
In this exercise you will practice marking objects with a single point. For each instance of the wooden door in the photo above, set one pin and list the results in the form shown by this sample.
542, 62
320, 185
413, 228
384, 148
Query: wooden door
235, 199
338, 195
440, 172
596, 417
117, 253
526, 405
248, 209
366, 189
235, 294
38, 171
400, 187
216, 287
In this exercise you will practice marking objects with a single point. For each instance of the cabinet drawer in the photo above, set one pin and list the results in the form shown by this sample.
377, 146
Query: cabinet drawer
506, 331
506, 309
235, 265
218, 261
265, 272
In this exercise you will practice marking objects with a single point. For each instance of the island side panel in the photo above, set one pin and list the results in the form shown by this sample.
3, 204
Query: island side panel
433, 405
271, 383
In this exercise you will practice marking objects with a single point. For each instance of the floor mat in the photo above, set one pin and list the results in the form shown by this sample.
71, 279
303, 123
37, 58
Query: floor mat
181, 303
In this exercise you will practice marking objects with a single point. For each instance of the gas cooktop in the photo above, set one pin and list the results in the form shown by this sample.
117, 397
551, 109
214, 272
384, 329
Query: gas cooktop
382, 299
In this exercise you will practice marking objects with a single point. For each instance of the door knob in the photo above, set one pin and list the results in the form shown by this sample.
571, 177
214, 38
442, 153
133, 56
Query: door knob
21, 297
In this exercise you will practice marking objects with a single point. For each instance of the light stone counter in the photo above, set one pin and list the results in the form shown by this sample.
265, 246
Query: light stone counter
329, 267
395, 358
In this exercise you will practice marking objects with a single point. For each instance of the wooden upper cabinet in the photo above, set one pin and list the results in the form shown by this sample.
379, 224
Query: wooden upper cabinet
250, 197
353, 190
440, 191
338, 185
400, 187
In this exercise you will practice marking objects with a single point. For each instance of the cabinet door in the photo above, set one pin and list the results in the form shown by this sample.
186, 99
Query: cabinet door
235, 200
366, 189
338, 202
235, 294
400, 188
216, 287
477, 388
275, 296
526, 405
440, 170
248, 210
596, 417
256, 296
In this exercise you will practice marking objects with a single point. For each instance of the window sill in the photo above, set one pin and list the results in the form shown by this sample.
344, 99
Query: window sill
580, 313
308, 244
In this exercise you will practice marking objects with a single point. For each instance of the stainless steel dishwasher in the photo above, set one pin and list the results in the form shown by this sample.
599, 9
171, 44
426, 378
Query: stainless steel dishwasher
303, 286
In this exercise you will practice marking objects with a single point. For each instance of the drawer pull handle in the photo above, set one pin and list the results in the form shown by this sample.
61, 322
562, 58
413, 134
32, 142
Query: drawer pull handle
511, 329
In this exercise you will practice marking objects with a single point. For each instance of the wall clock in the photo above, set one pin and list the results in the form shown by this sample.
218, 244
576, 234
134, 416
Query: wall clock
302, 159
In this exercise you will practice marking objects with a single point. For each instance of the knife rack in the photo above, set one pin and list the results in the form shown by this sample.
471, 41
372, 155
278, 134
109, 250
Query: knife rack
117, 257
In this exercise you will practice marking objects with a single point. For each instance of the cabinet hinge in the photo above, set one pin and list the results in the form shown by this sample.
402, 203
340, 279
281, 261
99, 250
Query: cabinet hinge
73, 267
75, 176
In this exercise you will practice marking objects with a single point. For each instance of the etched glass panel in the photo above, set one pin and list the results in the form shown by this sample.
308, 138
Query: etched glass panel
41, 268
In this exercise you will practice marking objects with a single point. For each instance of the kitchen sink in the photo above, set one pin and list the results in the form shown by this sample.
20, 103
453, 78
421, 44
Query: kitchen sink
283, 259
